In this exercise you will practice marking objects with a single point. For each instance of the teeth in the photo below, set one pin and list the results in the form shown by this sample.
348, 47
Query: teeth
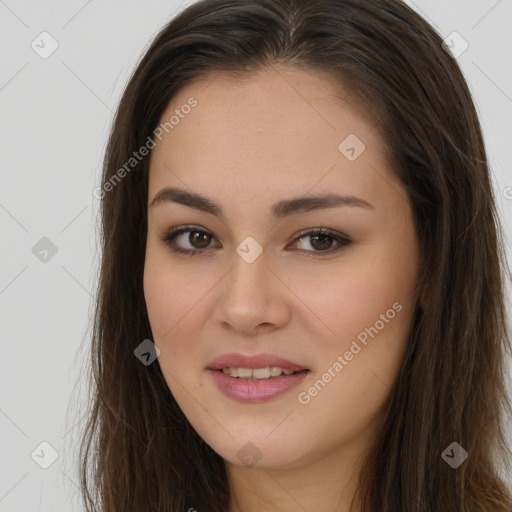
256, 373
244, 373
259, 373
275, 371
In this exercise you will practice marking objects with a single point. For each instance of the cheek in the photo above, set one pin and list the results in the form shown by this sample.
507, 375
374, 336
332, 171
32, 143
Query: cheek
177, 310
352, 296
365, 307
172, 292
160, 298
167, 304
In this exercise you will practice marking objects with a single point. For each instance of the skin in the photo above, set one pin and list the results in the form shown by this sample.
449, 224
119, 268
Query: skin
246, 145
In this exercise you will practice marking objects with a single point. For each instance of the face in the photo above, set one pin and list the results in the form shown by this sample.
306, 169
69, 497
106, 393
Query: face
258, 286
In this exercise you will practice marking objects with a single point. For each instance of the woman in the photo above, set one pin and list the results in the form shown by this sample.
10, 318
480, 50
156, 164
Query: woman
301, 295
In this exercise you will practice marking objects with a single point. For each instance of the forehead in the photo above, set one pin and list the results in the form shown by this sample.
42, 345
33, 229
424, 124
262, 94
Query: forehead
273, 131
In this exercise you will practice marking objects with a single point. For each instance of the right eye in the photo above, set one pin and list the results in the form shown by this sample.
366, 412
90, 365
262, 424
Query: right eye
198, 240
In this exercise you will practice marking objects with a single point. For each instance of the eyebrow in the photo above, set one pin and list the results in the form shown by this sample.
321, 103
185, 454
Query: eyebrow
280, 209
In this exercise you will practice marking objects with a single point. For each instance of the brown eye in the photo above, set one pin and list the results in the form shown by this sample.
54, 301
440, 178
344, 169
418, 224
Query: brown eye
322, 241
197, 240
200, 241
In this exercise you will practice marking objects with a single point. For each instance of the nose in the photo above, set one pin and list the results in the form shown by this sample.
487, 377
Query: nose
253, 298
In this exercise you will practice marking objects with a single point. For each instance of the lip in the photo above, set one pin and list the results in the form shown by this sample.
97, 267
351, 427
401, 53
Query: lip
234, 360
245, 390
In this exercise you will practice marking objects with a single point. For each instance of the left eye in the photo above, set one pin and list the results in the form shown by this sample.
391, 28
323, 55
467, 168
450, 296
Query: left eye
320, 239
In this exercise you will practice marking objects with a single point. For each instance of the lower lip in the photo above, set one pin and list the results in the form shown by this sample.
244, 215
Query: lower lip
245, 390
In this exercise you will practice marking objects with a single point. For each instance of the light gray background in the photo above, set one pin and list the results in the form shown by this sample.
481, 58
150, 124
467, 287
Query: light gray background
55, 116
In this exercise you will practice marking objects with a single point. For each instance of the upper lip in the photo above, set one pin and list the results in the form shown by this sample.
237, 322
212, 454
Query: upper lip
233, 360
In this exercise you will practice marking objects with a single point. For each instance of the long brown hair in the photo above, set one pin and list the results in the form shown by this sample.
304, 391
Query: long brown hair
138, 451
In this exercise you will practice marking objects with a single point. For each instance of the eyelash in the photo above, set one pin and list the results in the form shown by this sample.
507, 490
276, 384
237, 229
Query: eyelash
169, 237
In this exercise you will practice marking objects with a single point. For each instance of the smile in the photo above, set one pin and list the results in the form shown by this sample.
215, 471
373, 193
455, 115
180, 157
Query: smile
255, 389
257, 373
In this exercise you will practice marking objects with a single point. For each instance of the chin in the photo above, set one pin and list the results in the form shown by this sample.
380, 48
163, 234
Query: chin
259, 451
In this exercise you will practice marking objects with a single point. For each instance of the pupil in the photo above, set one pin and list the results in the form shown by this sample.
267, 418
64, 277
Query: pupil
196, 237
321, 237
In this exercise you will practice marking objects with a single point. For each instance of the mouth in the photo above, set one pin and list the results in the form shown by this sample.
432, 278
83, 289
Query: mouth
255, 378
265, 373
261, 365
